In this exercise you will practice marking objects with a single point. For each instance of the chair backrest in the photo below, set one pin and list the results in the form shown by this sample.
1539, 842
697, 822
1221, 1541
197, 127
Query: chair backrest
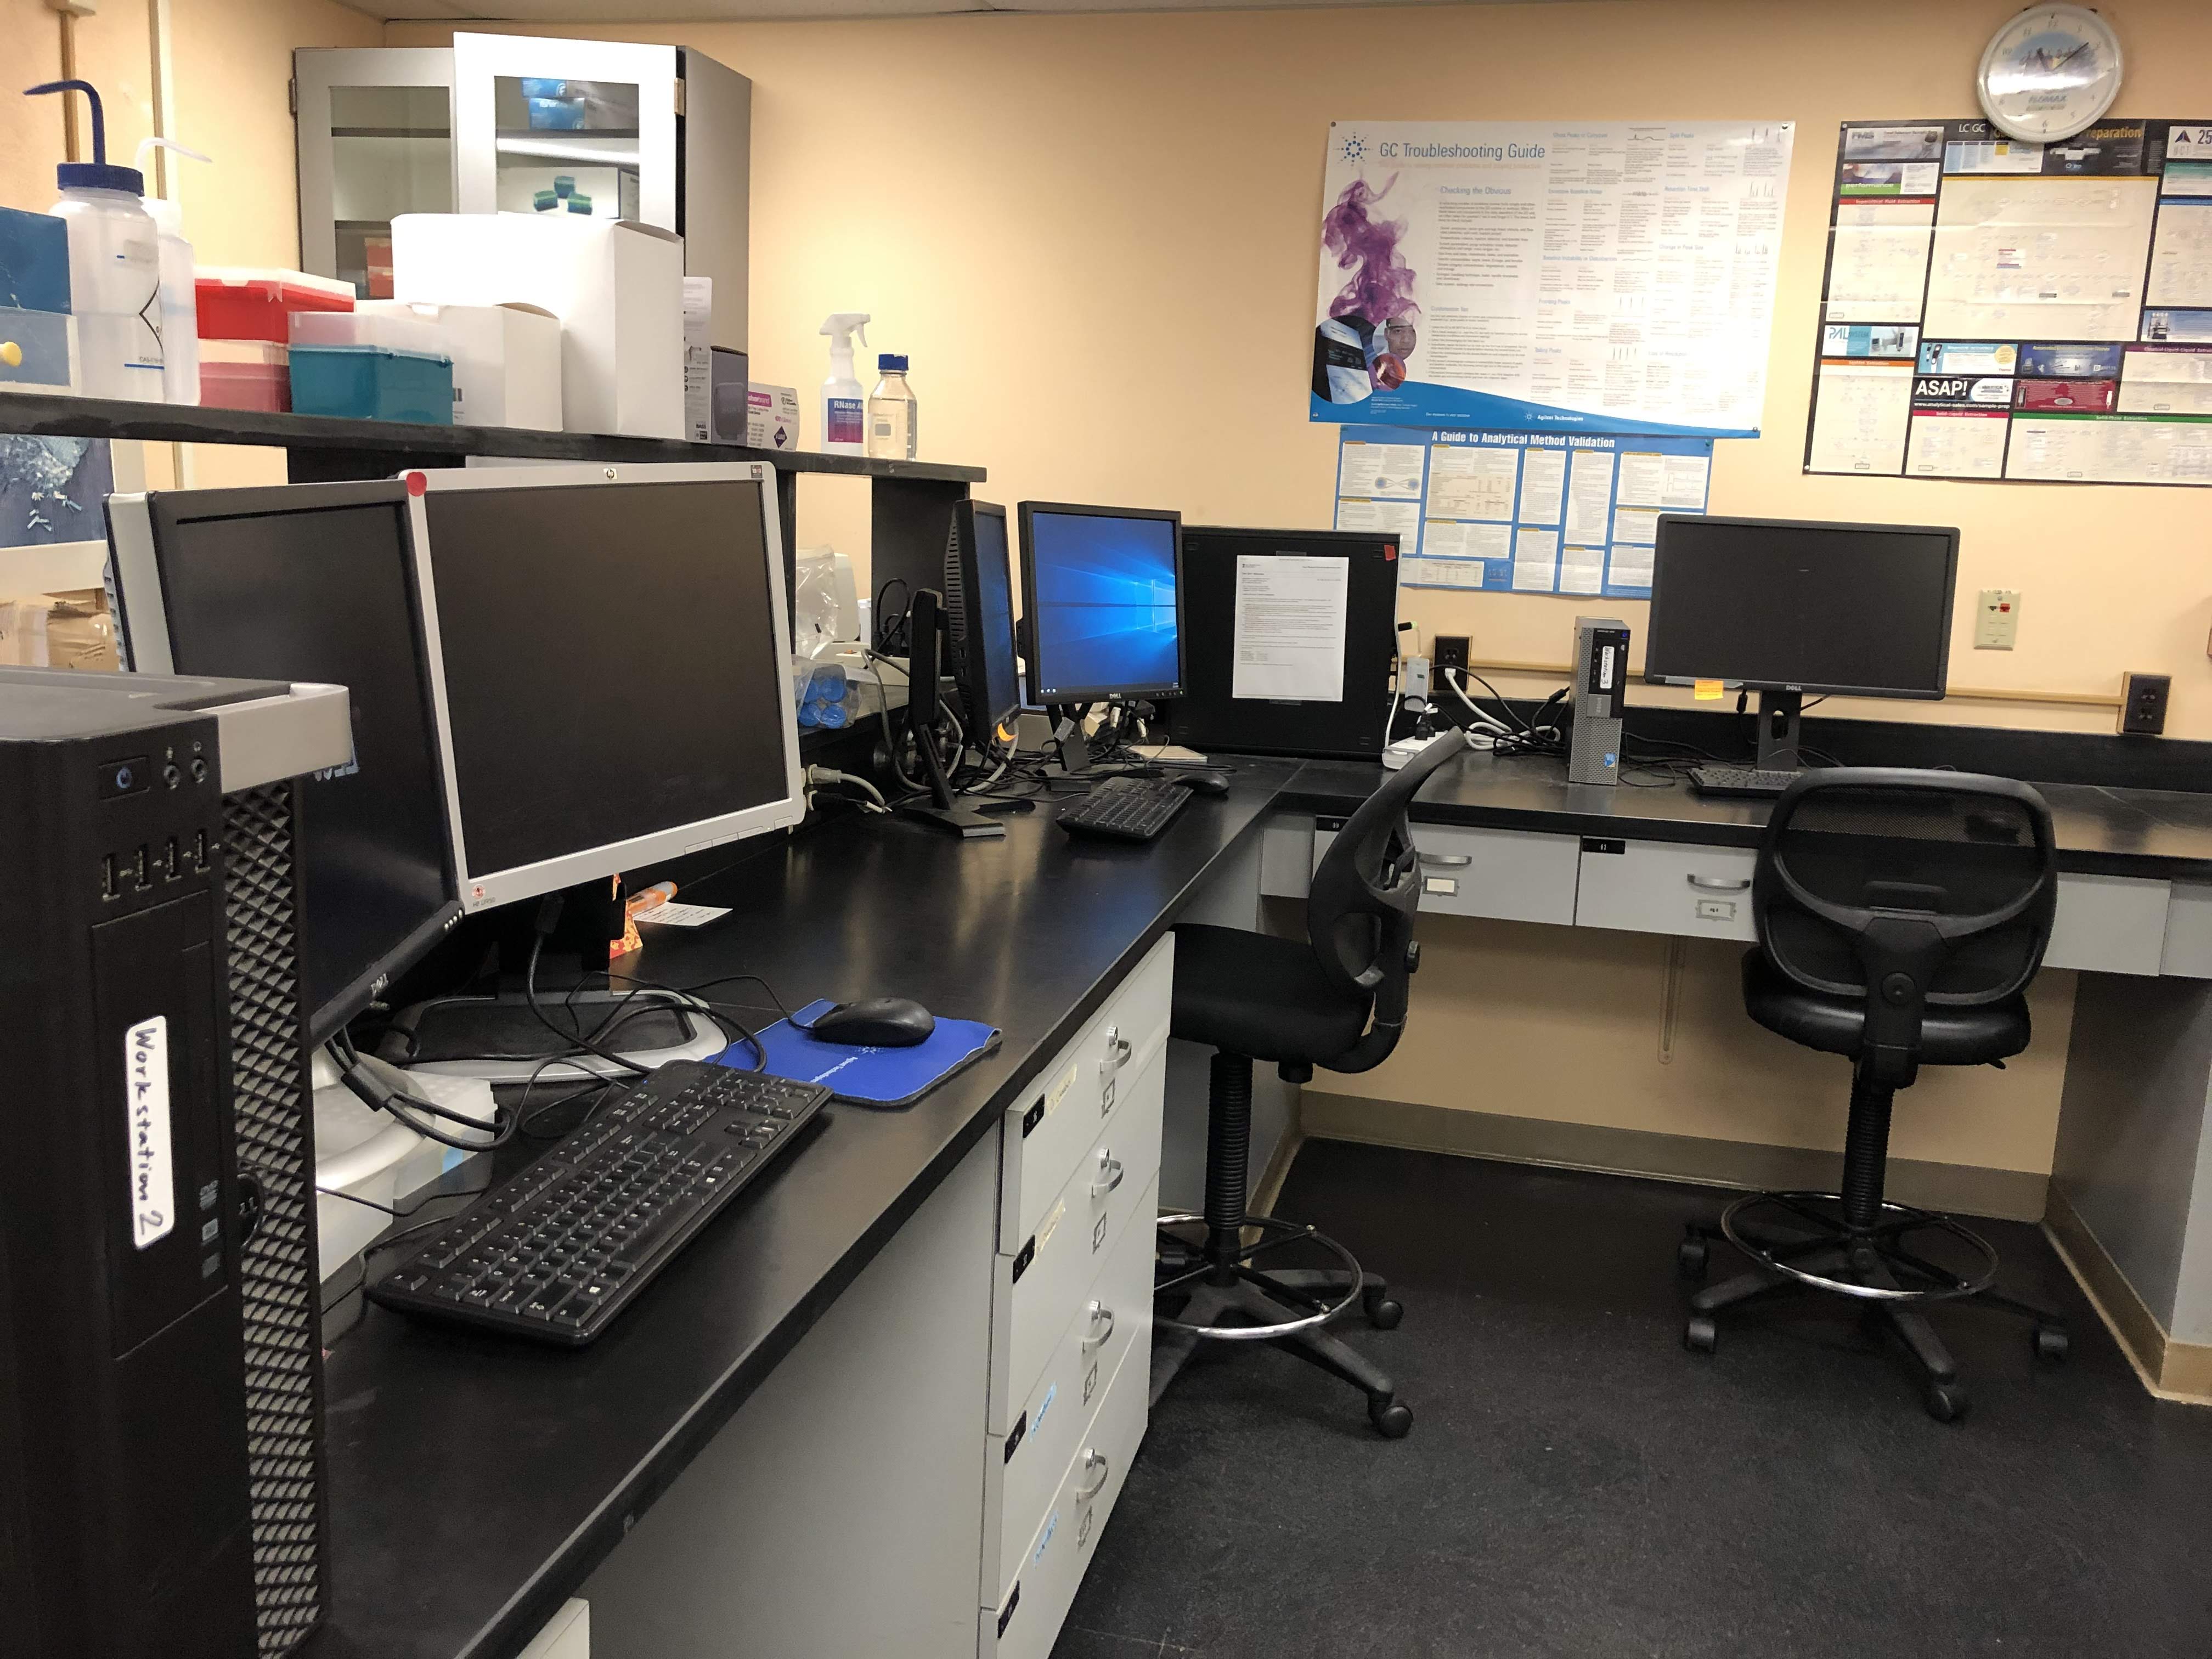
1360, 908
1906, 889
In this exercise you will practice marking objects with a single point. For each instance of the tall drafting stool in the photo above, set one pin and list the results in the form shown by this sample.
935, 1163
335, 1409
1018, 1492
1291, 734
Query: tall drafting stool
1901, 915
1338, 1001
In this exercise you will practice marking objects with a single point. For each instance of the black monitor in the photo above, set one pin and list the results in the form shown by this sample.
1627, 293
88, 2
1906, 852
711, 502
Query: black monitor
979, 600
314, 582
1101, 592
1316, 680
1789, 608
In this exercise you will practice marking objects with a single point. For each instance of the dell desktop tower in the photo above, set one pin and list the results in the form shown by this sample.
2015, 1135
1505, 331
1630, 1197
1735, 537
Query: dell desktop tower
1600, 667
161, 1489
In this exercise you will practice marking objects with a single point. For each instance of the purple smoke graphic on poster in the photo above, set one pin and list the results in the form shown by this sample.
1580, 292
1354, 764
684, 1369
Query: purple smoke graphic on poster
1381, 285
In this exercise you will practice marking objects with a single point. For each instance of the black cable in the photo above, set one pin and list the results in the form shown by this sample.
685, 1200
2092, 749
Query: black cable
548, 915
404, 1107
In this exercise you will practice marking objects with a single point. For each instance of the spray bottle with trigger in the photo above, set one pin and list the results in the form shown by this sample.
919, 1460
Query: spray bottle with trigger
844, 405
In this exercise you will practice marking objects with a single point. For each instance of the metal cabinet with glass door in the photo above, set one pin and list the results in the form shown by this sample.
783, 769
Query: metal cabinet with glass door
662, 135
375, 141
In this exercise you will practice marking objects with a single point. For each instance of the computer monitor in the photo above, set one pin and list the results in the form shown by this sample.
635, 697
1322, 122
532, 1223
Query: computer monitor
979, 598
613, 666
1101, 593
312, 582
1789, 608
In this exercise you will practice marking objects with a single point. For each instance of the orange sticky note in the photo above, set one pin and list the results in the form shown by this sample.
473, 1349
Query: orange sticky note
1707, 691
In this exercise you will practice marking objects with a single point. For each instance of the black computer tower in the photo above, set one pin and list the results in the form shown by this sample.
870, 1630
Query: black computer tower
161, 1409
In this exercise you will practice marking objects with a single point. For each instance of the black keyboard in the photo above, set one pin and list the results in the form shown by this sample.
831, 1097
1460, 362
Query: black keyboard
1125, 809
559, 1249
1748, 781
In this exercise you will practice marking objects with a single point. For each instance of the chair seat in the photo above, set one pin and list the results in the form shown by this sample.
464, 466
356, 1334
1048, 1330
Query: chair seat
1836, 1025
1254, 994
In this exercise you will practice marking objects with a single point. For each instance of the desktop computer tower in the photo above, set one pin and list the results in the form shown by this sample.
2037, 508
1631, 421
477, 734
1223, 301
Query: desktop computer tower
1600, 667
161, 1473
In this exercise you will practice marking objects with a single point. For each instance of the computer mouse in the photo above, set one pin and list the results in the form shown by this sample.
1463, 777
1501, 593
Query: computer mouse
875, 1022
1205, 782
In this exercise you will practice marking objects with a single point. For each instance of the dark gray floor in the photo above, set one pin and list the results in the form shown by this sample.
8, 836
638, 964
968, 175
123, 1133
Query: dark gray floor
1577, 1485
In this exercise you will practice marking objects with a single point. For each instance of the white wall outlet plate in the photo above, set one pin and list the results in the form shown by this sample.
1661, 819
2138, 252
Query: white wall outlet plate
1996, 619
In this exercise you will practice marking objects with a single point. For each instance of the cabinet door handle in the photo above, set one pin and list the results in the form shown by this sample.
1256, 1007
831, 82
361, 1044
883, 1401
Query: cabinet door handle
1719, 884
1099, 1338
1092, 1460
1447, 861
1109, 1173
1118, 1050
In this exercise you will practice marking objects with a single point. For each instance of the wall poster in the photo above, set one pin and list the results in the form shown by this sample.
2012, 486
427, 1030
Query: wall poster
1611, 277
1997, 310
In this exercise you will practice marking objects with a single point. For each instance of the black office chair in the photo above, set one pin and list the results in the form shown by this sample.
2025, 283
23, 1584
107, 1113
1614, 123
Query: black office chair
1901, 915
1336, 1000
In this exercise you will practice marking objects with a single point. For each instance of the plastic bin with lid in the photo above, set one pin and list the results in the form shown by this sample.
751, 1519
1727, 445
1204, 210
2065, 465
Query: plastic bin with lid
371, 383
249, 303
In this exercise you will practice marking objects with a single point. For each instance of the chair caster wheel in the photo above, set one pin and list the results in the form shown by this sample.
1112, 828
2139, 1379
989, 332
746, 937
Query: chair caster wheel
1689, 1258
2051, 1342
1947, 1402
1384, 1311
1701, 1334
1393, 1420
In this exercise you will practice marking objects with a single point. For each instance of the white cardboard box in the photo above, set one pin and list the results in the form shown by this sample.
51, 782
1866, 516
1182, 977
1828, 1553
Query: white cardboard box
617, 286
698, 359
507, 359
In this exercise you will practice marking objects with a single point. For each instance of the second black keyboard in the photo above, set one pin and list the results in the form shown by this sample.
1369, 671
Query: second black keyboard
559, 1249
1125, 809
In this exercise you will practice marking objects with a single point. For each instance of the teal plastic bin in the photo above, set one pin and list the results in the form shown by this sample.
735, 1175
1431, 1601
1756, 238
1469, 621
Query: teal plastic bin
371, 383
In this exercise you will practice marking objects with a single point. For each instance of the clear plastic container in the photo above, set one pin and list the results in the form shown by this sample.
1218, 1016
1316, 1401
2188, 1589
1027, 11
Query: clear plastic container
115, 266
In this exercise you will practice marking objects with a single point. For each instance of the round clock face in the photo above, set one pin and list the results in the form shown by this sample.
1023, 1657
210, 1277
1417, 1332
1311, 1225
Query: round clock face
2050, 72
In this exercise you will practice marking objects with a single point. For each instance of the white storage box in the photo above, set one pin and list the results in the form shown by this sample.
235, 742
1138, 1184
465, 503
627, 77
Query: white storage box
507, 359
617, 286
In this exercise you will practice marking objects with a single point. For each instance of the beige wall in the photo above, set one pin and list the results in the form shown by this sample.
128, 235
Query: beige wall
1097, 238
1568, 1025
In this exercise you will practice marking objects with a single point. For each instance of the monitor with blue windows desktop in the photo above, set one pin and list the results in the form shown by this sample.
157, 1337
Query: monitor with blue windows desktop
1101, 594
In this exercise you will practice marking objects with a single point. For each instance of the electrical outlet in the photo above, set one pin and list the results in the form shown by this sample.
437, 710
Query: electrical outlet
1996, 622
1450, 651
2143, 703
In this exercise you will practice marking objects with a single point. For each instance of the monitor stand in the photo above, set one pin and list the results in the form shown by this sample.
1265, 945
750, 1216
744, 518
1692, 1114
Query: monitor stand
924, 620
1074, 745
1778, 730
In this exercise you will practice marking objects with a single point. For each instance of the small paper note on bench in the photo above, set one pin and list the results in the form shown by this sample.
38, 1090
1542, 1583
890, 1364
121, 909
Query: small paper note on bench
672, 914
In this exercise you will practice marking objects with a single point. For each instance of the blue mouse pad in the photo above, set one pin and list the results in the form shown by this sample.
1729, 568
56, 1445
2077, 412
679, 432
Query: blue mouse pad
864, 1076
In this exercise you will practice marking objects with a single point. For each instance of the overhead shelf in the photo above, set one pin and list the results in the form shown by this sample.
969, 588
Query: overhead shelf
432, 446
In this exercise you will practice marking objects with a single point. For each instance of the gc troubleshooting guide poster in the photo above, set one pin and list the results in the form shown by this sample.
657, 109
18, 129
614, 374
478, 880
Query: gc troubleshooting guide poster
1543, 277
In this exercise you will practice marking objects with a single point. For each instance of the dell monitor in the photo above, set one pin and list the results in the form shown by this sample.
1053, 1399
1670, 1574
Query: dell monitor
979, 604
312, 582
1788, 608
1101, 592
613, 658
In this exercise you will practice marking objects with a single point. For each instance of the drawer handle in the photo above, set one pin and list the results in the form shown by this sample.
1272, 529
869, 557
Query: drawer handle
1447, 861
1092, 1460
1109, 1173
1099, 1339
1118, 1051
1719, 884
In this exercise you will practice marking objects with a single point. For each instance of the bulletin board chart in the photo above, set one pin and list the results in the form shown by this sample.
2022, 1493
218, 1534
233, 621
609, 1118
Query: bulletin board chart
1567, 512
2034, 313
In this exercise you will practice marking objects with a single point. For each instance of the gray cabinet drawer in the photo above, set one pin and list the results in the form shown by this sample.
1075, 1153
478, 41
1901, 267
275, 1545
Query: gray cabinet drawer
2109, 924
1666, 887
1501, 873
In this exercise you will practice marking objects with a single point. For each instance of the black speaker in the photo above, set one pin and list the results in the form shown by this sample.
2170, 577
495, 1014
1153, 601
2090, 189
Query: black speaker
161, 1359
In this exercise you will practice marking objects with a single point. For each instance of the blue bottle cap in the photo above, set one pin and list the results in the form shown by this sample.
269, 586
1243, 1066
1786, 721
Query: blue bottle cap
891, 362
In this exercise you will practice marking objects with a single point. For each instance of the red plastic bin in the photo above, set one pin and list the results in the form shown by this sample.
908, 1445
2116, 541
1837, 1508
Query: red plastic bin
253, 305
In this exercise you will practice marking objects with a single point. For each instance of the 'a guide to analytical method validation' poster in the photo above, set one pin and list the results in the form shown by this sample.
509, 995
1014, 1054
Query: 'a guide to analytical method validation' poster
1545, 277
